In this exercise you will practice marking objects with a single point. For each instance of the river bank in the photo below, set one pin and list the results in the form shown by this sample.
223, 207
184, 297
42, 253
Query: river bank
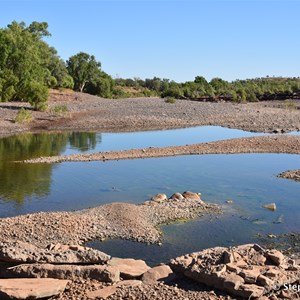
90, 113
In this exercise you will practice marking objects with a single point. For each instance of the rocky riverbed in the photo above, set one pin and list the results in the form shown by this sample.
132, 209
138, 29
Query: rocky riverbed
259, 144
116, 220
291, 174
91, 113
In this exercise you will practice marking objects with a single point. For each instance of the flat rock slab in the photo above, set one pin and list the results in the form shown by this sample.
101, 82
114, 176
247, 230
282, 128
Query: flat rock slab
99, 272
160, 273
34, 288
22, 252
244, 271
129, 268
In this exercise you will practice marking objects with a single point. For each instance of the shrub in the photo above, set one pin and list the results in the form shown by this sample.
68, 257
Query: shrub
23, 116
60, 109
289, 104
170, 100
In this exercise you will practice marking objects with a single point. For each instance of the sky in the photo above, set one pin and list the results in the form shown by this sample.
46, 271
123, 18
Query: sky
174, 39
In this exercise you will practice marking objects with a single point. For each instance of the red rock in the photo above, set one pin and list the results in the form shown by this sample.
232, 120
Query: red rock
31, 288
128, 267
102, 293
159, 273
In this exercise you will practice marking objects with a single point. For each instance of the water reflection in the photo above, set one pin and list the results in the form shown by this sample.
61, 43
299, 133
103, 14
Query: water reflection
19, 181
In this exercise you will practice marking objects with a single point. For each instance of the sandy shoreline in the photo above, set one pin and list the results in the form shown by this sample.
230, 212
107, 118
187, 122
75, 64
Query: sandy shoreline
259, 144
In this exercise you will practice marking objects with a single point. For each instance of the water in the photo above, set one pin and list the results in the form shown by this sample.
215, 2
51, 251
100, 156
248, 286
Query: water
247, 179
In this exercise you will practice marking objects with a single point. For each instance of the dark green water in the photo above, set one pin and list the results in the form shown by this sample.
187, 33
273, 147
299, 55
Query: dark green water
247, 179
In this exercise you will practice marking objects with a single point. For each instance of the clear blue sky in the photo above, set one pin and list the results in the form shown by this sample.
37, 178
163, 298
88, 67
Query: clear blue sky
172, 39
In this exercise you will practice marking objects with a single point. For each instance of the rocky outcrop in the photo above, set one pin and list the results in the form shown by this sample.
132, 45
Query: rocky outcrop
31, 288
290, 174
244, 271
22, 252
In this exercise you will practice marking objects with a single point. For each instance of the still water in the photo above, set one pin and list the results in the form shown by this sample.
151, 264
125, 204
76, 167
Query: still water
247, 179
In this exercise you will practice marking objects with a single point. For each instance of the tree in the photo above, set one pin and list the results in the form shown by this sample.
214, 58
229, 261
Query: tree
83, 68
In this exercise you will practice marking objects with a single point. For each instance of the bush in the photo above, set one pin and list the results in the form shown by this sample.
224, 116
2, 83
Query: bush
170, 100
23, 116
60, 109
289, 104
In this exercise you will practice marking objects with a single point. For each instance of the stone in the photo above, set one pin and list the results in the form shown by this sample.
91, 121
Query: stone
177, 196
270, 206
99, 272
191, 196
246, 271
249, 291
160, 273
129, 268
276, 257
160, 198
22, 252
102, 293
33, 288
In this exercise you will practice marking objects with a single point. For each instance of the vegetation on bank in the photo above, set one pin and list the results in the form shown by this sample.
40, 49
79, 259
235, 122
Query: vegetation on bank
29, 67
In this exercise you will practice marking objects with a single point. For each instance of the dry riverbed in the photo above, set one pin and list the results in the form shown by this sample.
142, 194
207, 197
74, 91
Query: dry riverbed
91, 113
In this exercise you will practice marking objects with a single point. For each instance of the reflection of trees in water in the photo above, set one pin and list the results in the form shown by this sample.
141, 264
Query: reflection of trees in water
84, 141
19, 181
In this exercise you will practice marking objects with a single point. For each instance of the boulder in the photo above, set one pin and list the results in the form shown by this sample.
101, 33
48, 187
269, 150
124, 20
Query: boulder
160, 198
22, 252
33, 288
191, 196
177, 196
129, 268
160, 273
99, 272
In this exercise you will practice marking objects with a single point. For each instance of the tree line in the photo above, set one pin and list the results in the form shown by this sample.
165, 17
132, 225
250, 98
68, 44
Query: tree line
29, 67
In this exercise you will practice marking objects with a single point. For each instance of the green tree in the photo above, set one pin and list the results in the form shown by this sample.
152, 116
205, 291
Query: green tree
83, 68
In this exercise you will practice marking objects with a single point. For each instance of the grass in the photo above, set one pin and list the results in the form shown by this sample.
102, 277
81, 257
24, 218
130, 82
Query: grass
60, 109
290, 105
170, 100
23, 116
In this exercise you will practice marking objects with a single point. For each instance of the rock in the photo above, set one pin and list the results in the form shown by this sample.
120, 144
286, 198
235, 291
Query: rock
129, 268
276, 257
160, 273
244, 271
98, 272
191, 196
270, 206
102, 293
177, 196
229, 201
21, 252
34, 288
160, 198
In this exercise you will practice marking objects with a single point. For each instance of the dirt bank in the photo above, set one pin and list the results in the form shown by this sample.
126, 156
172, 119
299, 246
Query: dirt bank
260, 144
87, 113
